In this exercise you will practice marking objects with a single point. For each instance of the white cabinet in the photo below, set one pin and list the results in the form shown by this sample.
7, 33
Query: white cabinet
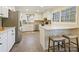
3, 42
12, 8
0, 11
27, 27
11, 38
4, 11
7, 39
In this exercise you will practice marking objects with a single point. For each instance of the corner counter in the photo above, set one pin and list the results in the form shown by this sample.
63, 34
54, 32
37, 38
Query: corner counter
48, 30
50, 27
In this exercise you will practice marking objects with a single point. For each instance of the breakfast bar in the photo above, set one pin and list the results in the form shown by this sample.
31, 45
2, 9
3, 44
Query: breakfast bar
49, 30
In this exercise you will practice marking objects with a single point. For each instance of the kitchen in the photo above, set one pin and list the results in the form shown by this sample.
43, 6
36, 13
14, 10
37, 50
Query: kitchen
46, 21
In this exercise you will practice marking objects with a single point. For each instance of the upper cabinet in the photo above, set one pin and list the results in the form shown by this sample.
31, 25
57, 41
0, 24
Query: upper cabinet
4, 11
0, 11
12, 8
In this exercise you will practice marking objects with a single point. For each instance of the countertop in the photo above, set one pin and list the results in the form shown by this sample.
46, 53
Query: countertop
5, 29
50, 27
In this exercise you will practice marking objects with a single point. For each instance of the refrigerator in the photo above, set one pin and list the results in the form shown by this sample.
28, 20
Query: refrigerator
13, 21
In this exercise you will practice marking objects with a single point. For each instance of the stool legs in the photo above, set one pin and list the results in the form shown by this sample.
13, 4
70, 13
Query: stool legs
49, 45
64, 46
77, 44
69, 46
58, 46
53, 46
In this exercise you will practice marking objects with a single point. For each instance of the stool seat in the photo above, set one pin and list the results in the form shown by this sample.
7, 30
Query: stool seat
71, 36
57, 38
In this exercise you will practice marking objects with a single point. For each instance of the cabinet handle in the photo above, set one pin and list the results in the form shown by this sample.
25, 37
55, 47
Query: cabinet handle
0, 43
1, 14
12, 33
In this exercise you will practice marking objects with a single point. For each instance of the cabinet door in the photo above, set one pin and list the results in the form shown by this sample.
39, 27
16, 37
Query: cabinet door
5, 12
0, 10
11, 38
3, 46
3, 42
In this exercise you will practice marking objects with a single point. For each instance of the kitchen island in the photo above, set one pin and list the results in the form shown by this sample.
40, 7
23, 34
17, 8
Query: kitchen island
48, 30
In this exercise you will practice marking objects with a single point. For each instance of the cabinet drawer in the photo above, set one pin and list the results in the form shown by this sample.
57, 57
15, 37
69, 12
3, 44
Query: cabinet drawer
12, 30
3, 45
3, 36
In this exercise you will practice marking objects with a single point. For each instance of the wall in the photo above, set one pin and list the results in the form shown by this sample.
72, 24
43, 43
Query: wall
11, 8
0, 22
78, 16
48, 14
8, 7
37, 16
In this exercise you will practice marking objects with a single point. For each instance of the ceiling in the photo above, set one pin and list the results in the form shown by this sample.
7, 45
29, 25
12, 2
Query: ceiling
35, 9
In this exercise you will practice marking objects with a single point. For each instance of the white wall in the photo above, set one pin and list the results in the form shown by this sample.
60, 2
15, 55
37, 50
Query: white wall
48, 14
0, 22
78, 16
11, 8
37, 16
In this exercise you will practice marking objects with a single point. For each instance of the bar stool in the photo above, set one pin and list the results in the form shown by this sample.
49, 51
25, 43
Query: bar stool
55, 39
70, 37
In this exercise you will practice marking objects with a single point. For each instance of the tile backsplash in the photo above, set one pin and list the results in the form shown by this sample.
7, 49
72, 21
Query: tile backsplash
0, 22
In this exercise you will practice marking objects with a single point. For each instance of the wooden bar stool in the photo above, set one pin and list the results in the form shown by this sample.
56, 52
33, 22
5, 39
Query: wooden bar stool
70, 37
56, 39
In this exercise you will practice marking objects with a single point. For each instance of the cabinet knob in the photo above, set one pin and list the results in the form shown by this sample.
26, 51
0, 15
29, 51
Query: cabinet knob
0, 43
12, 30
12, 33
1, 14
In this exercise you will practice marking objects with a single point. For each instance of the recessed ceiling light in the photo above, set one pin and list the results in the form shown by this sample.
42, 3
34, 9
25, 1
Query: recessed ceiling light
41, 6
37, 10
27, 9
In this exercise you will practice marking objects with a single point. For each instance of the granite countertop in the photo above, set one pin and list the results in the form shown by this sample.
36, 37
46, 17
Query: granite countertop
50, 27
4, 29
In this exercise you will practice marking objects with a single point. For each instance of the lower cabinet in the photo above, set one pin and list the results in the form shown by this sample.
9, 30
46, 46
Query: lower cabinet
11, 38
27, 27
3, 42
7, 40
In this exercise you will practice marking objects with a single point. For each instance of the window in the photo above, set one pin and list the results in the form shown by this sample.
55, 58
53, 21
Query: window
30, 17
68, 15
56, 17
65, 15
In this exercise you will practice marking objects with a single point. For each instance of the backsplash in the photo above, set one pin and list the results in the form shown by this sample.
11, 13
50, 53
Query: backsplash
0, 22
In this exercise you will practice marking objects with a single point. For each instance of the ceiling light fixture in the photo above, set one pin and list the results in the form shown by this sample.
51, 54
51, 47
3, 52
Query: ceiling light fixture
37, 10
27, 9
41, 6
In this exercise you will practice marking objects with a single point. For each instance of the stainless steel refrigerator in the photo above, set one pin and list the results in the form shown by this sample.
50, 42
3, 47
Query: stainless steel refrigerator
13, 21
